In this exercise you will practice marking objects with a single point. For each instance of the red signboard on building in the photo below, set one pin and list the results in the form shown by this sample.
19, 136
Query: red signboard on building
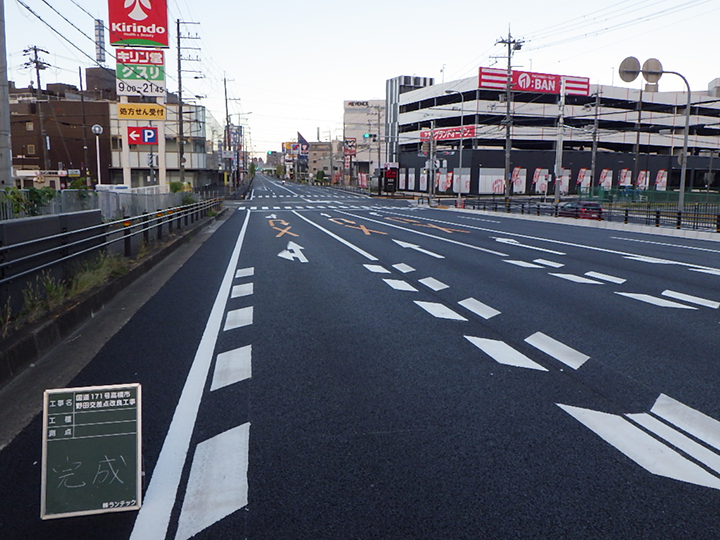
142, 135
525, 81
140, 23
446, 134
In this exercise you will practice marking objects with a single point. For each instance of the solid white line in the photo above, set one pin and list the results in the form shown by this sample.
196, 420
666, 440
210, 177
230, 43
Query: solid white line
606, 277
238, 291
561, 352
238, 318
404, 268
549, 263
643, 449
152, 520
440, 311
692, 299
577, 279
688, 419
400, 285
503, 353
231, 367
245, 272
336, 237
654, 300
678, 440
478, 308
377, 269
710, 271
523, 264
433, 284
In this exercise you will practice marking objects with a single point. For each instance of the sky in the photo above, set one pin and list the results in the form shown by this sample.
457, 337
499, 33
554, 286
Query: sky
289, 65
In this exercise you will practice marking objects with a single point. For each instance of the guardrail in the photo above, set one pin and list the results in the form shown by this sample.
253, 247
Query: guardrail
694, 220
98, 237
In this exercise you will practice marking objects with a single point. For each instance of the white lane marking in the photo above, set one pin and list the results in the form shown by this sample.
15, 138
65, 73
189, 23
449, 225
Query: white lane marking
404, 268
712, 304
442, 239
678, 440
688, 419
523, 264
643, 449
238, 318
245, 272
553, 264
665, 244
417, 248
400, 285
238, 291
253, 208
231, 367
433, 284
503, 353
288, 208
559, 351
152, 520
651, 260
265, 208
377, 269
293, 251
578, 279
513, 242
478, 308
711, 271
336, 237
440, 311
655, 301
606, 277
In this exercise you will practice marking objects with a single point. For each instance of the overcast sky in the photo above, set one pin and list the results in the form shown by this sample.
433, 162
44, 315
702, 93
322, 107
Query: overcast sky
291, 64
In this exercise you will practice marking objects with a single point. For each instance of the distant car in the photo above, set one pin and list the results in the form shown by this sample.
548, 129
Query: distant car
581, 209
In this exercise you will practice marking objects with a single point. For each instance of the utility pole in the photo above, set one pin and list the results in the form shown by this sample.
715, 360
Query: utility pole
596, 122
86, 169
181, 113
39, 65
559, 143
5, 147
512, 45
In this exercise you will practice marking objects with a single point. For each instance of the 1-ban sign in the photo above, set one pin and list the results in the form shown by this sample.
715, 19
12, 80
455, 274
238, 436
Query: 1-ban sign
91, 452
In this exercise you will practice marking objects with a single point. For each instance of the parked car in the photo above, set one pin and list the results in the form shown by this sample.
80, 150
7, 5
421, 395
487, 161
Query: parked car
581, 209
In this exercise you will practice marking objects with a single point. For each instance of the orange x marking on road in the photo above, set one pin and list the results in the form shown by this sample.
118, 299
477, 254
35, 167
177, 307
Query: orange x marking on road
284, 223
354, 225
408, 221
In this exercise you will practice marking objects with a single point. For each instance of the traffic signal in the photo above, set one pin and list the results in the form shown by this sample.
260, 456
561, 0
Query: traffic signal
372, 136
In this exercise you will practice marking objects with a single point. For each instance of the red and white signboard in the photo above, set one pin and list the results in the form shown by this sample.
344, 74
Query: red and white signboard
661, 180
139, 23
350, 146
606, 178
525, 81
446, 134
142, 135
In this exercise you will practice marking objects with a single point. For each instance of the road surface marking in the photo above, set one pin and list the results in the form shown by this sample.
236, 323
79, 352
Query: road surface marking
400, 285
404, 268
417, 248
559, 351
710, 271
440, 311
245, 272
238, 318
651, 260
692, 299
503, 353
376, 268
513, 242
578, 279
523, 264
606, 277
339, 239
643, 449
232, 366
293, 251
238, 291
433, 284
655, 301
553, 264
688, 419
478, 308
218, 484
152, 520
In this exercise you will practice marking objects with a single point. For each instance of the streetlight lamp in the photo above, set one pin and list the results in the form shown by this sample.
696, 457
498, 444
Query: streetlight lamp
97, 129
460, 146
652, 70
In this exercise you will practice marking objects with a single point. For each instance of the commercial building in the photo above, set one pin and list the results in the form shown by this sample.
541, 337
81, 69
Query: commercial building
364, 123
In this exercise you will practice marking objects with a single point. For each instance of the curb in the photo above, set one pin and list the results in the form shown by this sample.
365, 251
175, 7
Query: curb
19, 351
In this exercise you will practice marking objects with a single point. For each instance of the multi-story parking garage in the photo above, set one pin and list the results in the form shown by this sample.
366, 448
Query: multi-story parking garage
612, 137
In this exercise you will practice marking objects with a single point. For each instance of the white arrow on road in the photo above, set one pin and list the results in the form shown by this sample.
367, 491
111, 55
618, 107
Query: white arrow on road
513, 242
418, 248
271, 216
326, 215
293, 251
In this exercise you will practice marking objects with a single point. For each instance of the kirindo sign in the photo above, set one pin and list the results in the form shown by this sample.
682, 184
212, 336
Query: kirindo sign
138, 23
91, 451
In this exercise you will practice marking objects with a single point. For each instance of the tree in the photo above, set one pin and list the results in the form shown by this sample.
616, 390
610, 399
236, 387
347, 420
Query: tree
252, 169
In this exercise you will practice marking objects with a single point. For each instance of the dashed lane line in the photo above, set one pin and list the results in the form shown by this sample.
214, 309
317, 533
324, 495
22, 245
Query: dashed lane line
232, 367
478, 308
504, 354
440, 311
654, 300
712, 304
400, 285
606, 277
561, 352
577, 279
433, 284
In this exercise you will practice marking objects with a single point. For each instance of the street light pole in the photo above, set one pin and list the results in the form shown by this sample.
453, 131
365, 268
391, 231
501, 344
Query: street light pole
460, 146
97, 129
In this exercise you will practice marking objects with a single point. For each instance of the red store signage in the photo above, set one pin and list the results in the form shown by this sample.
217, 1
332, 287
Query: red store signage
138, 23
445, 134
526, 81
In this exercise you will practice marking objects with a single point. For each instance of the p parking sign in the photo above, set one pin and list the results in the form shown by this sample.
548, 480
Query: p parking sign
91, 453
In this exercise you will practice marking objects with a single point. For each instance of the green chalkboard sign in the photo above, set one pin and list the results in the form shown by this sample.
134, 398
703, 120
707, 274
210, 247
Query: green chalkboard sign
91, 451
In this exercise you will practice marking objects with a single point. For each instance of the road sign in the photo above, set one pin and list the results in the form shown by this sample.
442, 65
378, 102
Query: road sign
350, 146
140, 111
142, 135
91, 451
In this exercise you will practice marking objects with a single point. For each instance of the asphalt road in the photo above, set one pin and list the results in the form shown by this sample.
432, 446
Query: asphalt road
330, 366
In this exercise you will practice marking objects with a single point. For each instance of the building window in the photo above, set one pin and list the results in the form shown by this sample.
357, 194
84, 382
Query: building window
30, 149
29, 126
